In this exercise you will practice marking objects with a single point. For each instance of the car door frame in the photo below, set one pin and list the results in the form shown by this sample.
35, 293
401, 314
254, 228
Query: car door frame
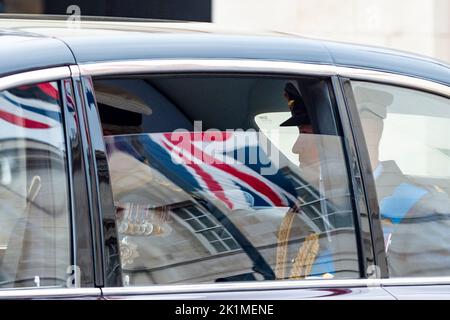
375, 282
370, 237
368, 286
370, 273
80, 275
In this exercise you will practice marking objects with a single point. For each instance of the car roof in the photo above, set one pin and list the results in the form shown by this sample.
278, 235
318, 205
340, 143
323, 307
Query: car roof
28, 43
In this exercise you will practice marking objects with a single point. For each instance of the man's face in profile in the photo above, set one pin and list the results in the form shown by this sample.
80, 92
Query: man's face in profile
306, 147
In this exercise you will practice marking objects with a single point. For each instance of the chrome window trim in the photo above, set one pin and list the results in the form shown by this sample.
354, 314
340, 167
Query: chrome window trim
419, 281
36, 76
213, 65
395, 79
75, 70
241, 286
272, 285
42, 293
240, 65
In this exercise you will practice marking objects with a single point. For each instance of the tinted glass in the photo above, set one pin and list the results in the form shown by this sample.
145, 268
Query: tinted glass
34, 216
407, 135
209, 187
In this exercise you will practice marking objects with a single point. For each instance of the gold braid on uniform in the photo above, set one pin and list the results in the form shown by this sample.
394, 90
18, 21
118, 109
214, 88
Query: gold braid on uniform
283, 237
306, 255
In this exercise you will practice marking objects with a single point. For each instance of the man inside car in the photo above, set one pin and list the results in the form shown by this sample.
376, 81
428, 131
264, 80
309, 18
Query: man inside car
314, 192
415, 217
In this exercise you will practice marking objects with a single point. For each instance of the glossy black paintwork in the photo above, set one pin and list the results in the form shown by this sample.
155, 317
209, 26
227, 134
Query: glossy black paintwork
367, 181
362, 220
102, 191
20, 51
389, 60
93, 205
126, 40
82, 233
108, 47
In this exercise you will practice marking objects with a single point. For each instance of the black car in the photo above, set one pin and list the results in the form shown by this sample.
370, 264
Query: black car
170, 160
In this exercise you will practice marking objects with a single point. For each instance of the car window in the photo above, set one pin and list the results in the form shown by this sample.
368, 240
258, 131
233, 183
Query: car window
227, 178
407, 136
34, 216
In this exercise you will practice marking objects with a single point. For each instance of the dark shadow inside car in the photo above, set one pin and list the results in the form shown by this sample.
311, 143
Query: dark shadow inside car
218, 182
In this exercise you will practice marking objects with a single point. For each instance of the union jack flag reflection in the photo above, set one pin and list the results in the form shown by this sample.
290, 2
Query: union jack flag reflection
32, 112
237, 178
224, 166
34, 211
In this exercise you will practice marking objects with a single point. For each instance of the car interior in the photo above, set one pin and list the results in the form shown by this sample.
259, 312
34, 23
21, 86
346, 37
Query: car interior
137, 111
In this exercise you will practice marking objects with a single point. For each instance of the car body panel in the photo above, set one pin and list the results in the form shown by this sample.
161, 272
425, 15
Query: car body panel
341, 293
389, 60
21, 51
107, 41
82, 212
420, 292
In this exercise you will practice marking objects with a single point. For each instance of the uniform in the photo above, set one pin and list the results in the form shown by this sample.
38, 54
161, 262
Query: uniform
416, 224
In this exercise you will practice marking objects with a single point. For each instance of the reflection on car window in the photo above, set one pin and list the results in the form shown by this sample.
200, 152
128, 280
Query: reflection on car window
217, 198
407, 138
34, 236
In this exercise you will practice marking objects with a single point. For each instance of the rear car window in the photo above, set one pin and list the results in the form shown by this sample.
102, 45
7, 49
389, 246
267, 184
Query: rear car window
34, 215
227, 178
406, 133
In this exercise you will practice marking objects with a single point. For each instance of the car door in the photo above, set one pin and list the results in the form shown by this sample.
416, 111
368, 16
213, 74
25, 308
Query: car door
209, 187
45, 241
401, 125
